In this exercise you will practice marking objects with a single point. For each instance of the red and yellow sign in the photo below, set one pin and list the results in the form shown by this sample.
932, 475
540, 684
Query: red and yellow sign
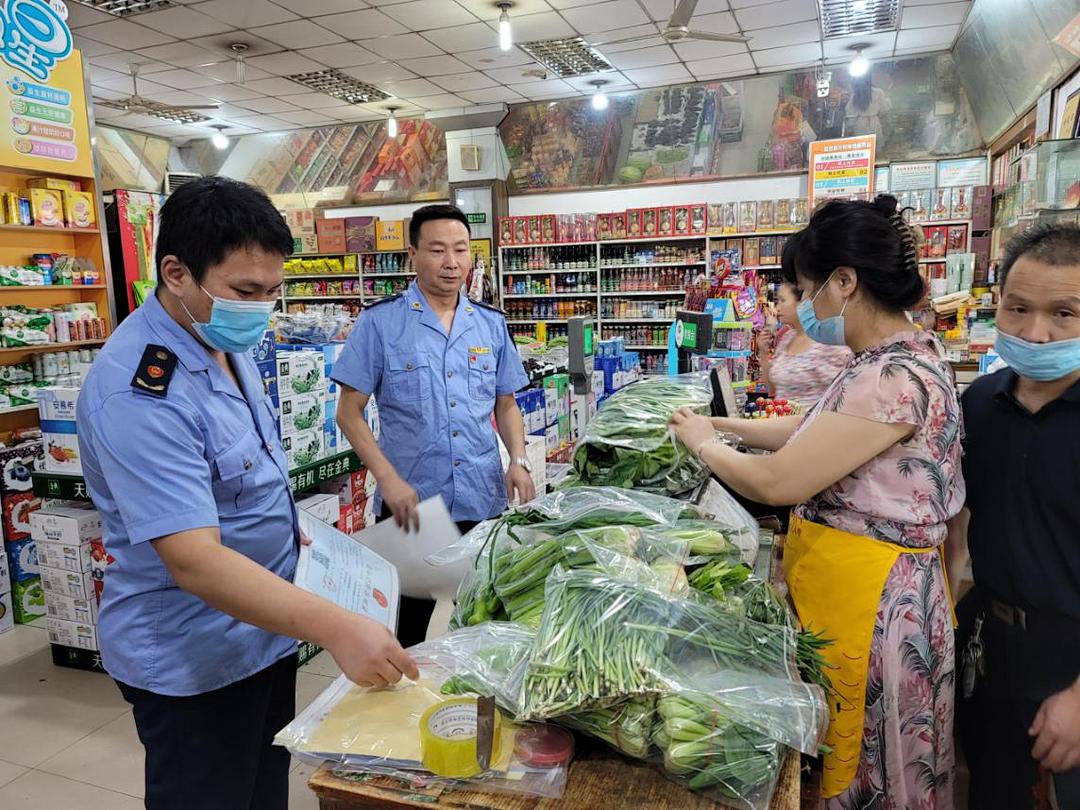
842, 168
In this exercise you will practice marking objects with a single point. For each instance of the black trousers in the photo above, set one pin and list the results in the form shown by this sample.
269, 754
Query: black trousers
414, 615
215, 751
1024, 666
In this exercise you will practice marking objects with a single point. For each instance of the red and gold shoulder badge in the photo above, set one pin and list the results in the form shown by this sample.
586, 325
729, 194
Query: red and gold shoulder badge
154, 372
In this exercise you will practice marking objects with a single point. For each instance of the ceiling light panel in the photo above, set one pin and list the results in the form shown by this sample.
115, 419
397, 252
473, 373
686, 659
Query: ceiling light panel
336, 84
842, 18
566, 57
178, 115
125, 8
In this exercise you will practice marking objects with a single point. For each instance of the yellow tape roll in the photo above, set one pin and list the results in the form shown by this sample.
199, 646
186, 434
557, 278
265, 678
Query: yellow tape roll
448, 738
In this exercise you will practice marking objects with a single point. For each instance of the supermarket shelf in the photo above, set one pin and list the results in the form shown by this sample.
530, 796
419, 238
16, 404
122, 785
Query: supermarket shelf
377, 252
541, 320
52, 347
639, 320
546, 245
45, 229
935, 260
644, 240
36, 287
320, 255
351, 274
651, 266
589, 294
18, 409
381, 274
647, 348
617, 294
935, 222
760, 267
548, 271
322, 297
745, 234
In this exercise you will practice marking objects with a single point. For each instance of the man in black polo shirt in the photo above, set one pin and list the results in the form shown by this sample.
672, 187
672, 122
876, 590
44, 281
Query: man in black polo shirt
1022, 467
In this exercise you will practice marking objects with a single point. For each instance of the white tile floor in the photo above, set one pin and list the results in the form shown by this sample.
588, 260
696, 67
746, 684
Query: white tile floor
67, 738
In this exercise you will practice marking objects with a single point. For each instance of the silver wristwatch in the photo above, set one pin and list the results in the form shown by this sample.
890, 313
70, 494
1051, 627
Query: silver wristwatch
523, 462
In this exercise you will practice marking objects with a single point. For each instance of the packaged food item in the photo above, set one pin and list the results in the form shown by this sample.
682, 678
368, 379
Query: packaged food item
942, 201
699, 223
766, 215
748, 216
47, 207
79, 209
54, 183
666, 222
648, 222
28, 600
729, 214
506, 230
633, 223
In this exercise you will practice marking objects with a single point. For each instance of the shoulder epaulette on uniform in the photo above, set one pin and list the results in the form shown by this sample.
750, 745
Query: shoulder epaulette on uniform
491, 307
155, 371
381, 301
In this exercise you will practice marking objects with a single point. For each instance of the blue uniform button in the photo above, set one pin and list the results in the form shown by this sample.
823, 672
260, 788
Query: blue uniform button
456, 433
453, 403
449, 374
457, 462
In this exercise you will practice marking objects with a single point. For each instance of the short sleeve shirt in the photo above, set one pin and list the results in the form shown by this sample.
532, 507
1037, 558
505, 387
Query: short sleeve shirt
905, 494
202, 454
436, 395
802, 378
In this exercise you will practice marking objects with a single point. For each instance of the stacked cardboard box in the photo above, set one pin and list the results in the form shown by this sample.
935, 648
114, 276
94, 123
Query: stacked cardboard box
330, 235
557, 412
7, 615
264, 353
56, 411
19, 503
356, 500
301, 374
73, 561
301, 222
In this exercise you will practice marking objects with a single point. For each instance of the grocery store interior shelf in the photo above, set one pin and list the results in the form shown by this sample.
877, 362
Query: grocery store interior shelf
646, 240
291, 276
18, 409
52, 287
52, 347
647, 348
585, 294
618, 293
45, 229
321, 297
746, 234
378, 273
639, 320
650, 265
545, 245
548, 270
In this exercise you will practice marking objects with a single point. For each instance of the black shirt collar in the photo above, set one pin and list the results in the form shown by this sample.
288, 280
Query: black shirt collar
1004, 384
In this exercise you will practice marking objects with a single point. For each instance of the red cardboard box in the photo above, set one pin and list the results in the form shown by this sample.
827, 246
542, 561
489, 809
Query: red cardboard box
547, 229
618, 225
332, 243
18, 507
649, 223
681, 219
534, 230
666, 221
506, 230
330, 227
982, 205
521, 230
699, 220
603, 227
633, 223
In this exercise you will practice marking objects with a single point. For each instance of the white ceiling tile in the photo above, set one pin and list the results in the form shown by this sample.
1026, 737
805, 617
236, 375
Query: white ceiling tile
305, 117
660, 10
530, 27
492, 95
184, 79
265, 123
738, 65
402, 108
352, 113
513, 75
656, 76
283, 64
90, 48
232, 92
99, 75
782, 35
425, 15
179, 98
486, 11
188, 21
226, 71
927, 16
221, 44
605, 16
443, 101
878, 46
246, 13
491, 58
698, 50
341, 55
315, 101
226, 111
124, 84
403, 46
940, 35
908, 3
608, 42
788, 11
274, 87
463, 37
798, 55
737, 4
183, 54
616, 82
435, 66
80, 16
410, 87
318, 8
122, 60
125, 34
362, 24
720, 23
552, 88
644, 57
380, 72
268, 105
464, 81
297, 34
135, 121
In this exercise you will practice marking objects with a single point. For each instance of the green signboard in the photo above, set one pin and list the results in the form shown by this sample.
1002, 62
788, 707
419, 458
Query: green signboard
686, 334
476, 219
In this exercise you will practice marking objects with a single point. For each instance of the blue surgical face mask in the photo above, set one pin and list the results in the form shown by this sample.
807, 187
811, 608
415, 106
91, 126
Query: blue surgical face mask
829, 331
1039, 361
235, 326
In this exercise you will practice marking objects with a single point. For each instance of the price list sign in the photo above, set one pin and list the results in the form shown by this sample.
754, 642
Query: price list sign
842, 168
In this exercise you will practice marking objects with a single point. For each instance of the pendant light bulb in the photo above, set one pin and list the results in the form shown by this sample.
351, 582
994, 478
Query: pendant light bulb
391, 123
600, 98
506, 34
219, 139
860, 64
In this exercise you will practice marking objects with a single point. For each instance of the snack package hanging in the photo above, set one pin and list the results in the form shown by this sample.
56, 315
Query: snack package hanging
628, 442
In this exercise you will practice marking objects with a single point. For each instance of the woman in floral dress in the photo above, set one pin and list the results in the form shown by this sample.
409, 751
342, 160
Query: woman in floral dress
875, 469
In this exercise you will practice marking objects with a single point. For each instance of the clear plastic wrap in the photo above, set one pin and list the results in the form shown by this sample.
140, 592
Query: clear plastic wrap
629, 444
603, 639
738, 525
314, 326
626, 726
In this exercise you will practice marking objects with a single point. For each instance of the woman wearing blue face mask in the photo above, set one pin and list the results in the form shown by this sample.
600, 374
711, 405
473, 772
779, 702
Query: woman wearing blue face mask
874, 467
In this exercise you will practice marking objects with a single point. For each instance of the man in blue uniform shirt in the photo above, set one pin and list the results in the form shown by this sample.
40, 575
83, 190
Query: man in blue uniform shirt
183, 460
438, 365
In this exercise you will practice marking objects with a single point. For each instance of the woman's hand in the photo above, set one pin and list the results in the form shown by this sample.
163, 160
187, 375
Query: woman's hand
692, 429
765, 340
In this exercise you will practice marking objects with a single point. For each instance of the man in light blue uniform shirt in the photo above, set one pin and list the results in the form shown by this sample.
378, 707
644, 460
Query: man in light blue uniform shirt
439, 365
182, 458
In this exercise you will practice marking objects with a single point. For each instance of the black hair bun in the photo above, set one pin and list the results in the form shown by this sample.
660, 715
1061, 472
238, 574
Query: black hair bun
886, 204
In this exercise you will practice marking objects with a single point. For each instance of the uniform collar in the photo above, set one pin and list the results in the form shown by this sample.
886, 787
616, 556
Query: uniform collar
174, 337
464, 316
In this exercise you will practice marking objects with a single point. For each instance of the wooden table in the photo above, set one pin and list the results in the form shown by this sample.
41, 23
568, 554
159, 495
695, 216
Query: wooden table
599, 778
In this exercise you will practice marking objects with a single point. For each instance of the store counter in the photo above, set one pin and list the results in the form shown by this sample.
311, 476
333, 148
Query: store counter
598, 778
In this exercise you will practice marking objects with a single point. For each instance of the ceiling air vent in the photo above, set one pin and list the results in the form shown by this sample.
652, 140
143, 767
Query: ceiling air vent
566, 57
125, 8
339, 85
178, 115
843, 18
173, 180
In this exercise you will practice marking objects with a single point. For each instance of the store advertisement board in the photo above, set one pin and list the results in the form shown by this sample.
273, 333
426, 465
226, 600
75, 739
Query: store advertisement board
841, 167
912, 176
962, 172
42, 91
881, 180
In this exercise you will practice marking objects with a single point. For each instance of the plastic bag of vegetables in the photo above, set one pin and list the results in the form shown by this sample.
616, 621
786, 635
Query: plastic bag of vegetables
628, 443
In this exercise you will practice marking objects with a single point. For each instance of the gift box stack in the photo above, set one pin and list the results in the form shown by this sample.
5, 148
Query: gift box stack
301, 380
356, 500
73, 560
25, 601
301, 222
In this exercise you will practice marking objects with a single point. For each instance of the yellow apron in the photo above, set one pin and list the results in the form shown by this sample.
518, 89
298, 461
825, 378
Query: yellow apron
835, 580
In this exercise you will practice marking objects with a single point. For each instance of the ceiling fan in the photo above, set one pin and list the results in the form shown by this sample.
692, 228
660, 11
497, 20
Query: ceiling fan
678, 29
183, 113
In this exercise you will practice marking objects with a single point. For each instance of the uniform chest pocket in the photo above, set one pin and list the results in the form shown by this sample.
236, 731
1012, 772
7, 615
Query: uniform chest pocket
482, 377
408, 378
241, 475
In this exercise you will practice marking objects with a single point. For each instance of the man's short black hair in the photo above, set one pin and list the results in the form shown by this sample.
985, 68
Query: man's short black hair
432, 212
205, 220
1054, 244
